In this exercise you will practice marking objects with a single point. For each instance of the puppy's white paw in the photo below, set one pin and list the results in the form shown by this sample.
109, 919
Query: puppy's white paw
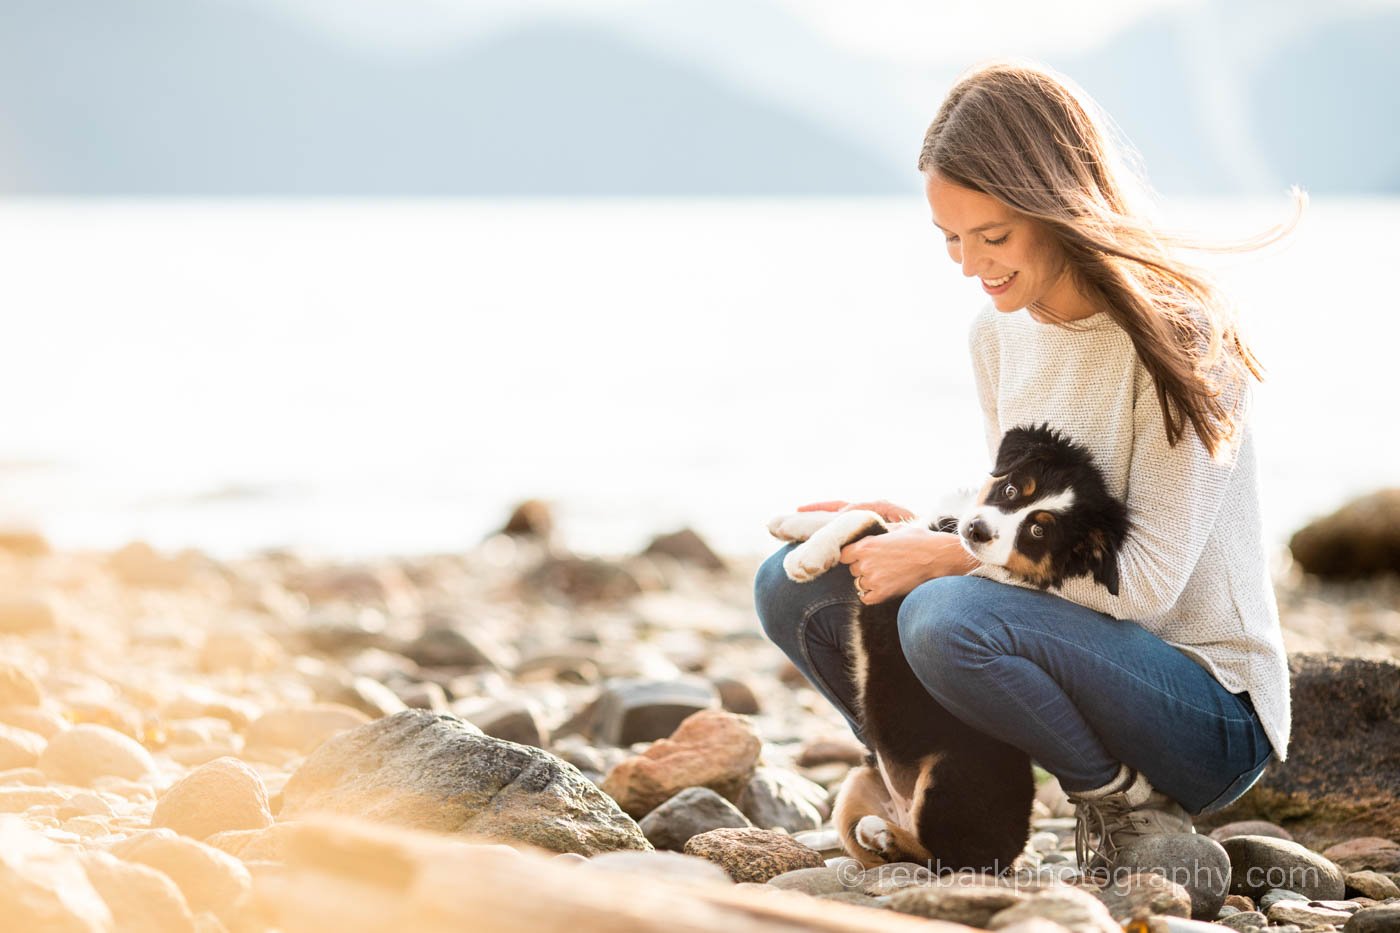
873, 834
811, 559
799, 526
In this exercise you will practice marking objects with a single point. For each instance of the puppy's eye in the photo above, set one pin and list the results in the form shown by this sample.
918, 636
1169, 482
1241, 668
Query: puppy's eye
1037, 531
1009, 491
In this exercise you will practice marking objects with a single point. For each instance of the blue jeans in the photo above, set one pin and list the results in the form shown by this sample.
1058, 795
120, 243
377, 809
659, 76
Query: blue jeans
1077, 690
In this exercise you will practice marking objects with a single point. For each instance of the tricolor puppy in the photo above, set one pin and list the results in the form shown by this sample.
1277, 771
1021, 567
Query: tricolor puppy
1045, 514
935, 790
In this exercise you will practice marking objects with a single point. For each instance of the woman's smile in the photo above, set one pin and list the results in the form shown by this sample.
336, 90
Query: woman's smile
998, 285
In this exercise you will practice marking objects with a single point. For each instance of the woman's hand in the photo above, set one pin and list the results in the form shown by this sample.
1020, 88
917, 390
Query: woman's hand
886, 510
892, 564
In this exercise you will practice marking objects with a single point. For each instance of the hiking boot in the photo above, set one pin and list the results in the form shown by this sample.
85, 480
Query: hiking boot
1124, 810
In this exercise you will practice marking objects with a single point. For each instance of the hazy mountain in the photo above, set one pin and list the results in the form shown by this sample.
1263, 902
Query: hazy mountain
226, 97
193, 97
1236, 97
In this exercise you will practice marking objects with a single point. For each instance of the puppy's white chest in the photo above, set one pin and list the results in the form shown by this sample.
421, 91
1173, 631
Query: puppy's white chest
900, 808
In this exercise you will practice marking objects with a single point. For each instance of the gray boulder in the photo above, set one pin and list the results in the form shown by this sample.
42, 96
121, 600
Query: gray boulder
1197, 863
436, 772
1342, 776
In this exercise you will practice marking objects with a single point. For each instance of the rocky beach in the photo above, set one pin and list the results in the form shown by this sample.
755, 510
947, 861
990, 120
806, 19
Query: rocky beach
517, 737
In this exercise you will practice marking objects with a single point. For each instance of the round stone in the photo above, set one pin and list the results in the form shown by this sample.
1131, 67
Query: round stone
692, 811
753, 854
221, 795
89, 751
1197, 863
1260, 863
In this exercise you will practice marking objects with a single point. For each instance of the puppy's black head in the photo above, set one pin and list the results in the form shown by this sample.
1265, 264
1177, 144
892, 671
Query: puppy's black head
1045, 514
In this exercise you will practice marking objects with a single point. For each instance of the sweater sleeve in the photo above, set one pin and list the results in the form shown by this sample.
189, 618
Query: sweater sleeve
1174, 496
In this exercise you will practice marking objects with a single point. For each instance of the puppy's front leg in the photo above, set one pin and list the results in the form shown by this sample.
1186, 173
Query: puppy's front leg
799, 526
822, 550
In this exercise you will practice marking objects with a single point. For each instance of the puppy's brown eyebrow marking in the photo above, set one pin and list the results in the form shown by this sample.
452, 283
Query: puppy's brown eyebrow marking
1045, 517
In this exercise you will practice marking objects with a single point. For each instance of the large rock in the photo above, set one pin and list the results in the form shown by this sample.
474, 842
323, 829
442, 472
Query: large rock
711, 749
1262, 863
1342, 776
141, 899
436, 772
223, 794
753, 854
87, 752
1361, 539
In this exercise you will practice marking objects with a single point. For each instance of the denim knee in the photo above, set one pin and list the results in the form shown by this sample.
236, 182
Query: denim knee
772, 594
942, 626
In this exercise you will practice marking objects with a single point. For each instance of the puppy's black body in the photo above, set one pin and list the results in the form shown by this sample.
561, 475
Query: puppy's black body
979, 815
936, 790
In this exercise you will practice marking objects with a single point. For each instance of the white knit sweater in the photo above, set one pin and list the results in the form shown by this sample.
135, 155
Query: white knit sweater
1193, 570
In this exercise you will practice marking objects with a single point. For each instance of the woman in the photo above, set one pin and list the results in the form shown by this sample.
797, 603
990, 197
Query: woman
1171, 698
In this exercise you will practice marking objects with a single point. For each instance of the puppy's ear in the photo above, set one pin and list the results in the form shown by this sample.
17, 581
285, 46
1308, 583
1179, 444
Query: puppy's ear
1107, 573
1098, 556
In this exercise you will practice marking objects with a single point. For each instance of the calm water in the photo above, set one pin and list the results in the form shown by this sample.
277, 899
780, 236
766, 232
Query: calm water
389, 376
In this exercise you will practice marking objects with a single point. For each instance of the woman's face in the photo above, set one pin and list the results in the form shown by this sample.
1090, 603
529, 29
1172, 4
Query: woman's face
1016, 259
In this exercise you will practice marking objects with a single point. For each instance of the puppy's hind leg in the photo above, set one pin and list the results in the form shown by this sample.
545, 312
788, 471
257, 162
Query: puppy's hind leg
858, 815
863, 818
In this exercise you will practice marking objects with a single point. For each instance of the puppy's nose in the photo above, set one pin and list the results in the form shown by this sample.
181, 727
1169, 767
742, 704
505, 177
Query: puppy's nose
978, 532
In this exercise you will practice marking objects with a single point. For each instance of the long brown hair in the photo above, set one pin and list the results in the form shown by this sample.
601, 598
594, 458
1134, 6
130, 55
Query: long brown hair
1030, 138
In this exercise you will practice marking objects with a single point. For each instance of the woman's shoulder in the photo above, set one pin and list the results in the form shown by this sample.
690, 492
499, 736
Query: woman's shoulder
983, 329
